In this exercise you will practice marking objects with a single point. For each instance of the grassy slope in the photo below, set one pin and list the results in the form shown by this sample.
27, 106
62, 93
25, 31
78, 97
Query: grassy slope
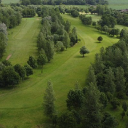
22, 106
22, 41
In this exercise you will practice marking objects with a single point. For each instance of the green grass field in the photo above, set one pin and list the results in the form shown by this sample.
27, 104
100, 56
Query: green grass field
118, 4
22, 106
22, 40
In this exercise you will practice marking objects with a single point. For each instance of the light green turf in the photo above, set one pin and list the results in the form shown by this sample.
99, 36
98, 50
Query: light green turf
9, 1
22, 106
118, 4
22, 40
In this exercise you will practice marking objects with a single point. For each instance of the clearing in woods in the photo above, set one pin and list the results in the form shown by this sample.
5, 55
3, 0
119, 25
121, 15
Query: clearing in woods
22, 106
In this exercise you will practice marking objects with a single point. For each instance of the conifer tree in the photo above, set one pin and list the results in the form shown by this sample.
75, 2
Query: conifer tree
91, 109
109, 85
120, 80
49, 99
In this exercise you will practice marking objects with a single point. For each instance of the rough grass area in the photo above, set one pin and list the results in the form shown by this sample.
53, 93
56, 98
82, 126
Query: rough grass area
22, 106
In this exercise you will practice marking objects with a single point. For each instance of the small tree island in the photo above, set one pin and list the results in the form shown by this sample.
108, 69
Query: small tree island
83, 50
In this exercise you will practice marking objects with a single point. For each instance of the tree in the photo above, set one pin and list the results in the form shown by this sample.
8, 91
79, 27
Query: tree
32, 62
125, 106
42, 59
49, 50
49, 100
73, 36
75, 99
66, 40
109, 85
115, 103
20, 70
123, 114
83, 50
6, 63
2, 44
109, 121
67, 26
74, 13
120, 80
10, 77
67, 120
28, 70
100, 39
91, 78
103, 99
91, 108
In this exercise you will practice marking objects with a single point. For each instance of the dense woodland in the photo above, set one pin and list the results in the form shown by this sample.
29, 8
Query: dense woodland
66, 2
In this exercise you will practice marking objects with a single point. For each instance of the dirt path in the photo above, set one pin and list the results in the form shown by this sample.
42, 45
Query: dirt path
8, 57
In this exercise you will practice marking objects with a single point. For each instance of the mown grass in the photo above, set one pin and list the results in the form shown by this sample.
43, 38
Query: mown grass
22, 40
22, 106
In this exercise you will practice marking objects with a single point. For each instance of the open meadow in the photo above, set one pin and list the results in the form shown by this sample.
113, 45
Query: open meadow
22, 106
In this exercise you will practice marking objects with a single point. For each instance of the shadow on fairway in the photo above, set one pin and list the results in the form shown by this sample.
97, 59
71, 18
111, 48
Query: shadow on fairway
79, 56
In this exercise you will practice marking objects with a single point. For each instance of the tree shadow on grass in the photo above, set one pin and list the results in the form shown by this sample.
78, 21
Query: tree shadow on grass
98, 42
80, 56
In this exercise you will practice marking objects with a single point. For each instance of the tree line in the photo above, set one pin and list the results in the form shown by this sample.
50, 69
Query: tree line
9, 18
66, 2
11, 75
55, 34
75, 2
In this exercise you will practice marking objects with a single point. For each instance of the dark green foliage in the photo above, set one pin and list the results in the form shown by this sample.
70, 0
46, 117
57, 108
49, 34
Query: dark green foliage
6, 63
108, 121
75, 99
67, 26
28, 2
103, 99
74, 2
91, 78
108, 20
42, 59
120, 80
49, 50
74, 13
10, 17
49, 100
100, 38
73, 36
109, 82
20, 70
83, 50
28, 70
91, 109
32, 62
93, 23
124, 106
28, 12
122, 114
86, 20
67, 120
10, 77
2, 44
115, 103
